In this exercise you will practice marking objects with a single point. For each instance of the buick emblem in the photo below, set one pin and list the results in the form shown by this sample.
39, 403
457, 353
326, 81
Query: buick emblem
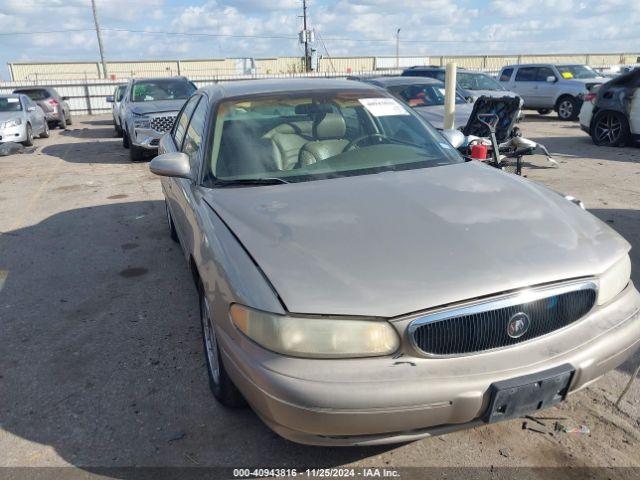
518, 325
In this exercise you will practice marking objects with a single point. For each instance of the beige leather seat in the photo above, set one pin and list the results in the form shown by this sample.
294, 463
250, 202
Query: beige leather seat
328, 132
287, 140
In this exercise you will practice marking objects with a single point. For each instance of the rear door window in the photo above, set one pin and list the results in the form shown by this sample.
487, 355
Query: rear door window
526, 74
543, 73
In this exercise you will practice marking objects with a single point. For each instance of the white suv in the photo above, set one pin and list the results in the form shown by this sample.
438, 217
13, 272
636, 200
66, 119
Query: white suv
545, 86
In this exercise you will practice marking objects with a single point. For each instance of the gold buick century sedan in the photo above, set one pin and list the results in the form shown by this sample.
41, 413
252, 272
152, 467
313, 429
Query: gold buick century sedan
361, 282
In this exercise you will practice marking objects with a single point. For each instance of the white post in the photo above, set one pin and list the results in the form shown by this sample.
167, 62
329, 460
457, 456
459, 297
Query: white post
450, 97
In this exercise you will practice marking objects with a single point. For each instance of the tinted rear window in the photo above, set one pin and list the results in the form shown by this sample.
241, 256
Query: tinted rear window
35, 94
505, 76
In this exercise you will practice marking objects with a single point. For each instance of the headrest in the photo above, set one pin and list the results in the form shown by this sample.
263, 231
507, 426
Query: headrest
329, 126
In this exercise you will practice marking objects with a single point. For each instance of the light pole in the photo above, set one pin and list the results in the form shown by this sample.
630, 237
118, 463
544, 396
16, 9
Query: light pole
398, 48
95, 20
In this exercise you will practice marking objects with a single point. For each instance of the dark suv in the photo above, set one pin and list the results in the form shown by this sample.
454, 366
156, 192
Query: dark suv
55, 107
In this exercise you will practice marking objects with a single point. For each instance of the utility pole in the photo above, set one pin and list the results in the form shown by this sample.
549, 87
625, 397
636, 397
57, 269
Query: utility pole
307, 56
398, 48
95, 19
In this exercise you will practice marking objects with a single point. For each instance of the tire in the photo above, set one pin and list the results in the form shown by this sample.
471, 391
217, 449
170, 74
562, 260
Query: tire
29, 141
125, 138
62, 123
69, 119
45, 133
220, 383
118, 129
610, 129
567, 108
136, 154
172, 226
544, 111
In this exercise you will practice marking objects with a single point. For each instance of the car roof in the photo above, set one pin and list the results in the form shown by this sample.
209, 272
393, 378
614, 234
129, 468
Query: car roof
288, 85
31, 89
397, 81
155, 79
541, 65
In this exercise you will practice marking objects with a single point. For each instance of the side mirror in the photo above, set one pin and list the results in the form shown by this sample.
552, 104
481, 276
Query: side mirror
65, 98
110, 99
454, 137
173, 164
551, 79
31, 109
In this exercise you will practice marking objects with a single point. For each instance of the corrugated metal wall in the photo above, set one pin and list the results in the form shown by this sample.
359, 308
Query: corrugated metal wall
288, 65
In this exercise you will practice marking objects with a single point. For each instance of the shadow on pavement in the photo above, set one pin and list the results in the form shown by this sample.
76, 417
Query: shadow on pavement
102, 352
89, 152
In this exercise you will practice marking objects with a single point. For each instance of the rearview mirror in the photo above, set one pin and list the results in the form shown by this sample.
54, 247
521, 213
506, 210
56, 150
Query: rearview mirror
551, 79
454, 137
173, 164
110, 99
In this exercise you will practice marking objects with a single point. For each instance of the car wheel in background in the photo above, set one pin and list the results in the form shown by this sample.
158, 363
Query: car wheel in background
221, 385
62, 123
544, 111
125, 138
69, 119
29, 141
118, 129
136, 154
567, 108
172, 226
45, 133
610, 129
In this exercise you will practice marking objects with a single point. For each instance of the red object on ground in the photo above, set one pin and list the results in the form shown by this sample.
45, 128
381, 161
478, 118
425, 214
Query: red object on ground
479, 152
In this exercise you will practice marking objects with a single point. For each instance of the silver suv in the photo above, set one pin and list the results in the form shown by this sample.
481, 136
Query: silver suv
148, 109
545, 86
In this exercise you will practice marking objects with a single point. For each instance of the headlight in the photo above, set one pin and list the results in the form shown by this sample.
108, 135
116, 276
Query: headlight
613, 281
316, 337
12, 123
141, 121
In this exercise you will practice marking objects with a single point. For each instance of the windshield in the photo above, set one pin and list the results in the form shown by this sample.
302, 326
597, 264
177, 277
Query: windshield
303, 138
477, 81
576, 71
10, 104
153, 90
36, 94
423, 95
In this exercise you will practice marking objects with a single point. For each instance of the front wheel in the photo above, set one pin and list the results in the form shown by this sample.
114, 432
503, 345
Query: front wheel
221, 385
125, 138
568, 108
610, 129
136, 154
29, 140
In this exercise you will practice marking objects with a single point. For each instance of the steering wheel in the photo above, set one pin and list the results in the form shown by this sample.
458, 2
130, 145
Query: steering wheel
353, 144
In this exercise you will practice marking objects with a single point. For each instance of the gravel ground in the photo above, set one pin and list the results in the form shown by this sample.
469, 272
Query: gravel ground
101, 359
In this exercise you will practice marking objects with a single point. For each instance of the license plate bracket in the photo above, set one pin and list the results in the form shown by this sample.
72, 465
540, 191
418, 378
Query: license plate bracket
519, 396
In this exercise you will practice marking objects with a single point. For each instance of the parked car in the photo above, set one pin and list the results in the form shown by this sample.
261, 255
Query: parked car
361, 283
545, 86
148, 110
426, 96
115, 100
611, 113
54, 106
21, 119
471, 85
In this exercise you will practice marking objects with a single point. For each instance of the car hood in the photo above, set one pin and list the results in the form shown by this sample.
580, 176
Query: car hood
157, 107
398, 242
4, 116
435, 114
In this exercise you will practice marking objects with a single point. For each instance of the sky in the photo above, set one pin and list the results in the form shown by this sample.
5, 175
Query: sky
61, 30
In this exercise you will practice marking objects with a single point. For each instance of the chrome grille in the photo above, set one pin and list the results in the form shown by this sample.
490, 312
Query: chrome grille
162, 124
484, 326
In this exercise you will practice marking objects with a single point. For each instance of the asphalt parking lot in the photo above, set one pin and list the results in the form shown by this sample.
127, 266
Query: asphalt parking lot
102, 362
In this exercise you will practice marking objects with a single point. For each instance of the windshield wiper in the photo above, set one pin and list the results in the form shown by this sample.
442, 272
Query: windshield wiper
248, 181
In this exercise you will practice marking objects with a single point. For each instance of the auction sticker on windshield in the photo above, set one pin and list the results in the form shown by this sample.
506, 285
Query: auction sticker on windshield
382, 107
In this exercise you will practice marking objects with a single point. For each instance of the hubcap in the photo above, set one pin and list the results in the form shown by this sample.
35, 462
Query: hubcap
210, 344
565, 109
608, 129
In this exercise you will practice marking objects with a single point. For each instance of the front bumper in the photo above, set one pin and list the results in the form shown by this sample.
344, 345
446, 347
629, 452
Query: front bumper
13, 134
403, 398
146, 138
